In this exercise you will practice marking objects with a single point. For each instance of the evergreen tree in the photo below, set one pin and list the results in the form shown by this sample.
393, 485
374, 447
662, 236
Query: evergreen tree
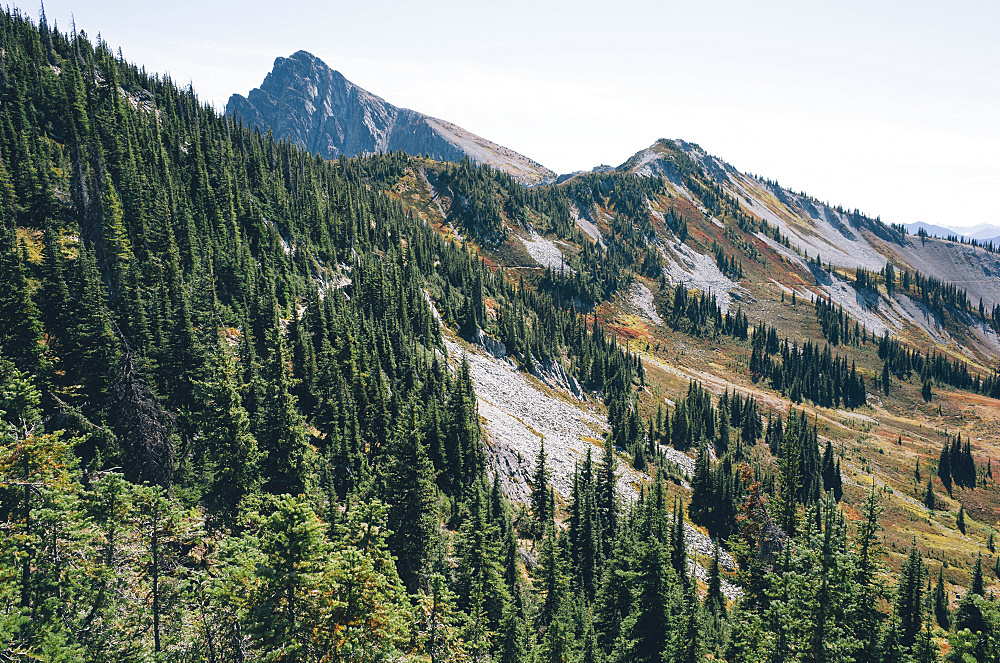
410, 491
930, 500
715, 602
909, 597
225, 435
645, 633
606, 495
290, 574
20, 327
438, 622
678, 546
941, 601
281, 431
540, 513
511, 637
479, 578
976, 583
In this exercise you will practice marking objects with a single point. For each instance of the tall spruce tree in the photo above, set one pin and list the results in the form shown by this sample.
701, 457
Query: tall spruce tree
909, 603
413, 517
940, 601
540, 514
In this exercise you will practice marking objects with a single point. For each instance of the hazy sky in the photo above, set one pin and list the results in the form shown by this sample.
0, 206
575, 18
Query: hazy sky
889, 107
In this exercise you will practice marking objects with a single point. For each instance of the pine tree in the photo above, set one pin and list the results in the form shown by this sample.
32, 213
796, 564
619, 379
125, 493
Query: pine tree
791, 479
606, 495
479, 578
829, 469
20, 328
551, 581
645, 632
584, 530
702, 494
941, 601
925, 649
161, 524
281, 431
89, 348
909, 597
678, 546
438, 622
715, 602
969, 616
410, 490
944, 468
225, 434
960, 519
511, 637
976, 583
541, 516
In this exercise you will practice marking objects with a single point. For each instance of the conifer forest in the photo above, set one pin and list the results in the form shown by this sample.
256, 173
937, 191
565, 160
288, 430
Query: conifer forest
235, 426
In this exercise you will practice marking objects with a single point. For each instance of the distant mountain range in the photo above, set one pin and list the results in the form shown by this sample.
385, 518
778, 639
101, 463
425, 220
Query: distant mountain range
984, 232
317, 108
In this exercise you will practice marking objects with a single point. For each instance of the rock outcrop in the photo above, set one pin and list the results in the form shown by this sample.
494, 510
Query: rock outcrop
321, 111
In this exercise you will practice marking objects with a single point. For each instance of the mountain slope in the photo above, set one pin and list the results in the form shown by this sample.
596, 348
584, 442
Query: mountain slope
323, 112
623, 217
845, 242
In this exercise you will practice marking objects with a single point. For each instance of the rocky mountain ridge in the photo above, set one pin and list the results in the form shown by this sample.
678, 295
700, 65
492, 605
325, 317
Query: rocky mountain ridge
846, 239
321, 111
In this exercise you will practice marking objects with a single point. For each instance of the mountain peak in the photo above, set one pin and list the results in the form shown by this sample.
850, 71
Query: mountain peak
315, 106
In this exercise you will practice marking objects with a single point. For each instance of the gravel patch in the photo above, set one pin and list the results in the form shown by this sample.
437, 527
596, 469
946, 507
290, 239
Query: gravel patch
518, 416
921, 316
642, 298
974, 270
587, 226
861, 306
680, 459
729, 590
545, 252
809, 224
684, 265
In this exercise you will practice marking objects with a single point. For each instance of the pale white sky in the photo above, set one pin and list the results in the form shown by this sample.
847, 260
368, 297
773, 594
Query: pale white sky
890, 107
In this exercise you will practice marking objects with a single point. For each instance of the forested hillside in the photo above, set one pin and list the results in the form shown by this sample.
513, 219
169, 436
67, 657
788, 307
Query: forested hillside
232, 430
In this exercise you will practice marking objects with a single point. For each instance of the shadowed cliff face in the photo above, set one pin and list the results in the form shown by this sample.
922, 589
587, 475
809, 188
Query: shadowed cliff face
323, 112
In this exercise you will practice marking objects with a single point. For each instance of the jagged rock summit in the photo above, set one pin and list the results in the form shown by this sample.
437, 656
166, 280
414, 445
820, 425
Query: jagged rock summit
320, 110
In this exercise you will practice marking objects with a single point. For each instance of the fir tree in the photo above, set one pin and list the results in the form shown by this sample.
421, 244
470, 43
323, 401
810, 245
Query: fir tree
541, 516
714, 600
976, 583
644, 636
281, 431
941, 601
909, 597
225, 430
930, 500
413, 514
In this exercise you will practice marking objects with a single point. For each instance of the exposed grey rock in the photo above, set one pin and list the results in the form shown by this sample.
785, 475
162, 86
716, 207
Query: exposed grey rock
321, 111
